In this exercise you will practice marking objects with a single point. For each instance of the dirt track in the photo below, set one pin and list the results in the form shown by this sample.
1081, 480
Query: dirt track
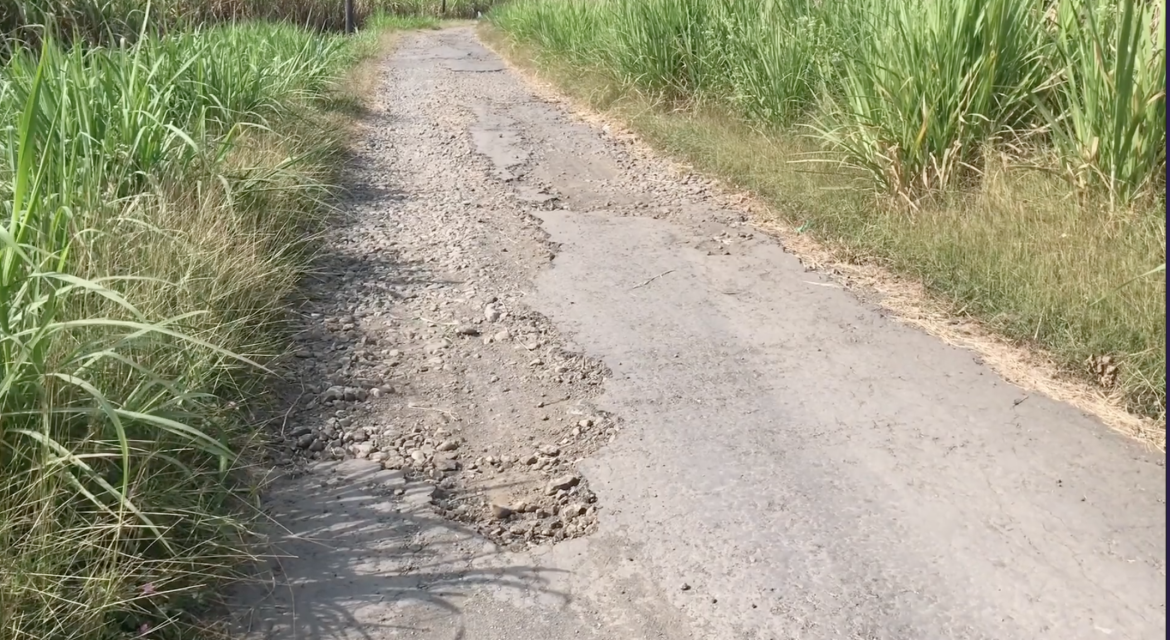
578, 395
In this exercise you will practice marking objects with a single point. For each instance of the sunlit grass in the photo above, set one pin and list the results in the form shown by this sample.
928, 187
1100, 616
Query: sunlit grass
157, 201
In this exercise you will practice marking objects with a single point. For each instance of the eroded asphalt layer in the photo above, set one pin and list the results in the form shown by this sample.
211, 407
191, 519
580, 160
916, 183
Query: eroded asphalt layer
550, 387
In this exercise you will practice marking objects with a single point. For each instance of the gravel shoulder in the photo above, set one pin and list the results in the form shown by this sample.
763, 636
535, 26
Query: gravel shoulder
547, 386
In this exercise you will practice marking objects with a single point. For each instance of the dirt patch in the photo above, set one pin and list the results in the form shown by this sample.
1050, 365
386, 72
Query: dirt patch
416, 349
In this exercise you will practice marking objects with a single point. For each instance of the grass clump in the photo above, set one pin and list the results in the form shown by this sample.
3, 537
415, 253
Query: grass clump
1008, 153
157, 200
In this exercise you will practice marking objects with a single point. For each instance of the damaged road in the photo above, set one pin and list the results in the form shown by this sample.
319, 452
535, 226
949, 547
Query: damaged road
548, 386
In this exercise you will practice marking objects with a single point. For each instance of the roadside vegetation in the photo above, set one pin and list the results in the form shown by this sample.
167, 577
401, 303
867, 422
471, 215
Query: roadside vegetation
1007, 153
164, 170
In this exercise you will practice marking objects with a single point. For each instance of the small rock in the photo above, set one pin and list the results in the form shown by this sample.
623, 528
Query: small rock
500, 512
358, 435
317, 446
333, 393
562, 482
448, 445
491, 313
467, 330
686, 587
447, 465
298, 432
530, 459
435, 346
304, 441
501, 336
550, 450
572, 511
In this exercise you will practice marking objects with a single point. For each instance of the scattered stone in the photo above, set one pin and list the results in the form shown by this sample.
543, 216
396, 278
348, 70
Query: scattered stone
399, 291
572, 511
562, 483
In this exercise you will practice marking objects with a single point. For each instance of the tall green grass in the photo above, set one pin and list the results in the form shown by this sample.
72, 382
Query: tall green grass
157, 199
22, 22
931, 84
1108, 107
1009, 153
913, 91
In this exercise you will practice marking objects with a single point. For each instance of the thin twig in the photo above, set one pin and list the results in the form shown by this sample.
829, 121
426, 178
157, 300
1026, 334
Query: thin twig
651, 279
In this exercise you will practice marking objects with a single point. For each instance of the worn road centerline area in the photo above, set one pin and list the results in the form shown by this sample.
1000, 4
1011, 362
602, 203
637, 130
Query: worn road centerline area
647, 420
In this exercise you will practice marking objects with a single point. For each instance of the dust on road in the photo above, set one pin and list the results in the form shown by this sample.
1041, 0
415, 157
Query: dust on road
549, 387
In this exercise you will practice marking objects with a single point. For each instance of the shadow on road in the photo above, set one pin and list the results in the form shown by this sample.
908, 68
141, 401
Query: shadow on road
360, 554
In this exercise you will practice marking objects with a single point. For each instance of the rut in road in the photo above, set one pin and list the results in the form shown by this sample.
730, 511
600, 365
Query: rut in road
549, 386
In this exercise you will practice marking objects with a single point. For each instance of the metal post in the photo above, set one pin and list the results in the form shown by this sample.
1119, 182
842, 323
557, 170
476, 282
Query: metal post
349, 26
443, 9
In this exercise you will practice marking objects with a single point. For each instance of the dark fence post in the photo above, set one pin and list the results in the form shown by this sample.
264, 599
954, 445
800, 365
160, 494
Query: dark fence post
349, 26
